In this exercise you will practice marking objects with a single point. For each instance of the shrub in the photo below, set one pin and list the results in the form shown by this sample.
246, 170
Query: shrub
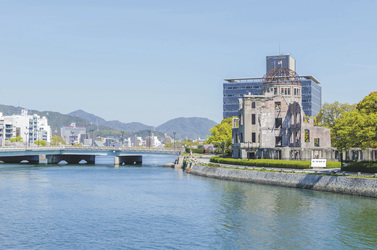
195, 150
270, 163
362, 166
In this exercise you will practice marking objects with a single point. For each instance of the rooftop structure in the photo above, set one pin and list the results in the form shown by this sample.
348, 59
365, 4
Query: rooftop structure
235, 88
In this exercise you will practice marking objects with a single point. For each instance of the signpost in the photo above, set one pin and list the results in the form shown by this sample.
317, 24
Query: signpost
318, 163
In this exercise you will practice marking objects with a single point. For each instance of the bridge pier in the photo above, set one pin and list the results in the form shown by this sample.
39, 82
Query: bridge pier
128, 160
72, 159
32, 159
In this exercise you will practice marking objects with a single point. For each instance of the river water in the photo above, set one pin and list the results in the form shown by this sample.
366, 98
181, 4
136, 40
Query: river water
151, 207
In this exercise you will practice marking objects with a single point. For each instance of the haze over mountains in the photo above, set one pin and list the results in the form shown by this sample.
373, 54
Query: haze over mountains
192, 128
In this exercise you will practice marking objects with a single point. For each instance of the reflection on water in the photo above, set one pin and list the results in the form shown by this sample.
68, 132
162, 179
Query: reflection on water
100, 206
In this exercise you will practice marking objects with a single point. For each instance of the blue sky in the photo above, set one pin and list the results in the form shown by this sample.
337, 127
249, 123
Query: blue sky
151, 61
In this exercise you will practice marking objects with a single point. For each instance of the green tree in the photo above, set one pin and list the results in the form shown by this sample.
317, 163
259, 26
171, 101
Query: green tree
221, 135
332, 111
40, 143
369, 104
357, 128
57, 140
16, 139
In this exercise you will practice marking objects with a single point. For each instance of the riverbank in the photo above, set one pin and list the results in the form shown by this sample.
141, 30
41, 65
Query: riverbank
337, 184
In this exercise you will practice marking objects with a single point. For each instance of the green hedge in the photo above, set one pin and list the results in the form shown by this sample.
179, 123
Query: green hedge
195, 150
270, 163
362, 166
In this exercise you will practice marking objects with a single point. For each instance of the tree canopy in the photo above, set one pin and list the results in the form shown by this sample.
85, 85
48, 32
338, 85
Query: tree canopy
16, 139
40, 143
57, 140
332, 111
221, 134
358, 128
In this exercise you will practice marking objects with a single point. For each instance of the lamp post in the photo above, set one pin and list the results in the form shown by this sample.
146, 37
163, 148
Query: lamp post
72, 133
26, 133
174, 140
150, 139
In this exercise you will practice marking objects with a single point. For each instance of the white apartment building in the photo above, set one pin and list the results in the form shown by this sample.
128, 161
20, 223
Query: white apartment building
30, 127
72, 134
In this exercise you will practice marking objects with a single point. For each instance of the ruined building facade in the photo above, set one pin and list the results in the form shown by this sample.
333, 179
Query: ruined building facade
274, 126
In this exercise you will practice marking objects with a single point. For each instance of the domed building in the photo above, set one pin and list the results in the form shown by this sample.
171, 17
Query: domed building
273, 125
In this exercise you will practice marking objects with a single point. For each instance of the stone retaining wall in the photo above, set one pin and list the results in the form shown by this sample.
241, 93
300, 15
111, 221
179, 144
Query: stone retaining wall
337, 184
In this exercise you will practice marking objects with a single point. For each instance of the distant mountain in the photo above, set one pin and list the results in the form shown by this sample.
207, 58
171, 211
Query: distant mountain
192, 128
131, 127
87, 116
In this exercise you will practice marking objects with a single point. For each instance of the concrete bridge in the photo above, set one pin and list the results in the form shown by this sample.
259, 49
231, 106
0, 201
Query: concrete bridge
73, 155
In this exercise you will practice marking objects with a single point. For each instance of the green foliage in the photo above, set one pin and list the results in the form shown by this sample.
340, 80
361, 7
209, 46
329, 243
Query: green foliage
57, 140
369, 104
16, 139
357, 128
221, 135
332, 111
270, 163
362, 166
40, 143
195, 150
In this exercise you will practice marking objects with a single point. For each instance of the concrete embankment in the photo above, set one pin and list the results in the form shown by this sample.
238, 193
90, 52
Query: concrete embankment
337, 184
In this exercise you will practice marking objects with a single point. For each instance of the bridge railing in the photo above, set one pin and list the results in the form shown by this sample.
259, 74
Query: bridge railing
86, 148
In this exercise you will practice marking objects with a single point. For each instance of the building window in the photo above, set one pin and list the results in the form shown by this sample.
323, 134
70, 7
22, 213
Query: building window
241, 137
278, 141
252, 118
253, 137
291, 138
275, 91
278, 122
307, 135
278, 105
316, 142
253, 105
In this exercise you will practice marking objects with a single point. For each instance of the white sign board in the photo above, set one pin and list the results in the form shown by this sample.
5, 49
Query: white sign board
318, 163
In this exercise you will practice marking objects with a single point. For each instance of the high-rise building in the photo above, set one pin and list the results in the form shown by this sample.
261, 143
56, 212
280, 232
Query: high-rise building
281, 61
234, 89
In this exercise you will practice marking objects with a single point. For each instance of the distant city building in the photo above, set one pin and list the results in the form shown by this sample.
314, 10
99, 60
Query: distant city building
234, 89
127, 142
152, 141
30, 127
167, 139
71, 134
111, 142
137, 141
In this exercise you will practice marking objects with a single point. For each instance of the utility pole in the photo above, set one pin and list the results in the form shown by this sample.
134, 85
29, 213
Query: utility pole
150, 139
174, 140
